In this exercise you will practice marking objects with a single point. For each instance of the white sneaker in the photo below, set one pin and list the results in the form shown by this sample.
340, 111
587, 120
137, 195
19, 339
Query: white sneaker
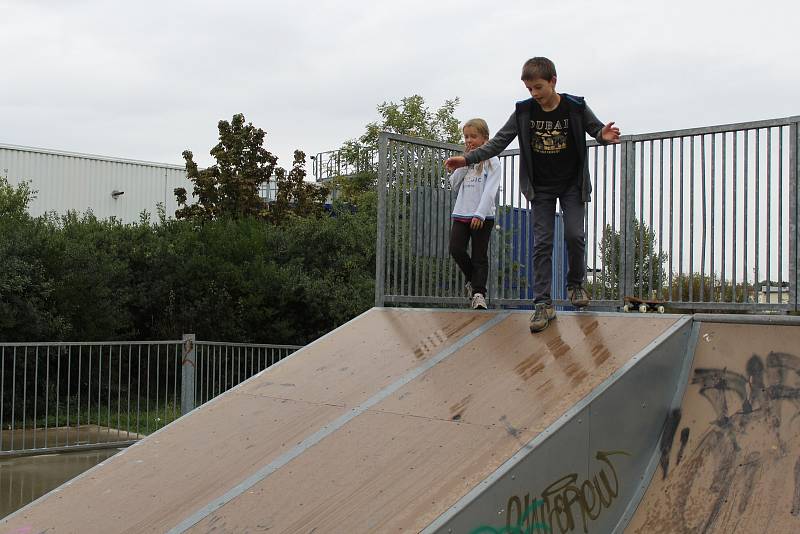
478, 302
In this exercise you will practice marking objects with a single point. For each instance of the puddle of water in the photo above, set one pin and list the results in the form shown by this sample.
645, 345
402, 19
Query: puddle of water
25, 479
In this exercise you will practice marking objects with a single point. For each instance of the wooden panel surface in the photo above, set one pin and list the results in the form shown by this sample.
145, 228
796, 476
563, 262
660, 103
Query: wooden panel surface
733, 464
413, 455
396, 466
155, 484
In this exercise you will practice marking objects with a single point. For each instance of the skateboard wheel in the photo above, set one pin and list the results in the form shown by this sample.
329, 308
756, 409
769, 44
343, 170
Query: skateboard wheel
642, 308
626, 308
661, 309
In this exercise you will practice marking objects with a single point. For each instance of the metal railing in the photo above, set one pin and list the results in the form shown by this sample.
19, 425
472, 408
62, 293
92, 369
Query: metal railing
68, 396
704, 219
345, 162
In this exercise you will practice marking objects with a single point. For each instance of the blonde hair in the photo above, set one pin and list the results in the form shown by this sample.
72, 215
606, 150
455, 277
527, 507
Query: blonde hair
483, 129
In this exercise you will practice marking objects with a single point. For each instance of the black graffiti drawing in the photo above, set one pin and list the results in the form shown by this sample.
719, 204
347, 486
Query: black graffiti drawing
752, 402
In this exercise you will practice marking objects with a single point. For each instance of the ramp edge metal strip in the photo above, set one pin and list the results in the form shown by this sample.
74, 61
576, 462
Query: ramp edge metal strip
331, 427
71, 448
783, 320
677, 402
554, 427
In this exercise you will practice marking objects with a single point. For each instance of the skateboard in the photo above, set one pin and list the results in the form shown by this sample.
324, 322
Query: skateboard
643, 305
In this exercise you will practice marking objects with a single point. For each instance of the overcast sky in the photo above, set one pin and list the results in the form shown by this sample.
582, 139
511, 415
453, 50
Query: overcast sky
146, 80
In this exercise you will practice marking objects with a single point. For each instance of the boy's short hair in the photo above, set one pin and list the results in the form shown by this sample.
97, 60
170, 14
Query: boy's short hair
538, 68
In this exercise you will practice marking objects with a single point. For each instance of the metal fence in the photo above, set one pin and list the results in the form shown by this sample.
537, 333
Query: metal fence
345, 162
704, 219
68, 396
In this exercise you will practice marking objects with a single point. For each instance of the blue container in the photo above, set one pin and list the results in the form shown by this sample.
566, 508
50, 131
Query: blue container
518, 224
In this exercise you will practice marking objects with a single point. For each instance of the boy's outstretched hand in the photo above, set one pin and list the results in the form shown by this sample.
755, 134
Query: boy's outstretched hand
456, 162
610, 133
476, 223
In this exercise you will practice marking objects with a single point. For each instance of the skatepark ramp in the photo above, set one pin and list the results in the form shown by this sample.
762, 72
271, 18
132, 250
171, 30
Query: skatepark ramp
411, 420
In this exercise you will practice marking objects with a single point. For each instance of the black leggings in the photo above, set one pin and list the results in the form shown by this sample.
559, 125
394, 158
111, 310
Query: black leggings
476, 268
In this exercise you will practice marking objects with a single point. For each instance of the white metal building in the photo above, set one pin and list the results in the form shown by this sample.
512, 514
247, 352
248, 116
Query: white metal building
117, 187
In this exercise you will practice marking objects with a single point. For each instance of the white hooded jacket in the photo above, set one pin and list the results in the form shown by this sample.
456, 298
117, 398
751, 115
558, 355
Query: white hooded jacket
476, 190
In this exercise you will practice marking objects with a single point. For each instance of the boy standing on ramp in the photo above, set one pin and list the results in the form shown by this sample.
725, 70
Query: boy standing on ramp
552, 130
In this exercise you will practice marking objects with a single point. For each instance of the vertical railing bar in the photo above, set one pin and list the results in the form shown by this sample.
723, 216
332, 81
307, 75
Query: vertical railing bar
414, 263
757, 221
383, 260
128, 416
691, 218
166, 383
209, 363
617, 258
661, 219
769, 214
724, 163
681, 200
607, 270
404, 237
253, 353
432, 260
425, 202
642, 259
47, 394
397, 216
712, 248
735, 212
157, 408
652, 230
35, 394
13, 395
147, 398
794, 216
780, 213
138, 389
2, 392
226, 362
441, 203
78, 409
69, 388
671, 214
705, 219
89, 397
99, 390
597, 238
108, 395
497, 253
216, 371
745, 217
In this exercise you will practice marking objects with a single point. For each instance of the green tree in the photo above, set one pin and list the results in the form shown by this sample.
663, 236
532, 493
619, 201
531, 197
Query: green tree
295, 195
648, 265
230, 187
412, 117
27, 303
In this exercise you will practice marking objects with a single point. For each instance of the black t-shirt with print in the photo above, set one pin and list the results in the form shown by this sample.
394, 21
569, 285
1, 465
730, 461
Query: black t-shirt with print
555, 158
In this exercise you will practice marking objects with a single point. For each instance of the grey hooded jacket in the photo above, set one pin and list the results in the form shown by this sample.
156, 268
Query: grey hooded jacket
582, 121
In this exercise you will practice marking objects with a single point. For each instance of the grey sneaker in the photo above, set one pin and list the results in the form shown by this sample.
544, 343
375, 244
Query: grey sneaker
478, 302
468, 290
578, 296
542, 315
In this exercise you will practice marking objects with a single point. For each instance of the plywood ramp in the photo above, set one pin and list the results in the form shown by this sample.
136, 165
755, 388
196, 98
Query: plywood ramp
731, 461
380, 426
